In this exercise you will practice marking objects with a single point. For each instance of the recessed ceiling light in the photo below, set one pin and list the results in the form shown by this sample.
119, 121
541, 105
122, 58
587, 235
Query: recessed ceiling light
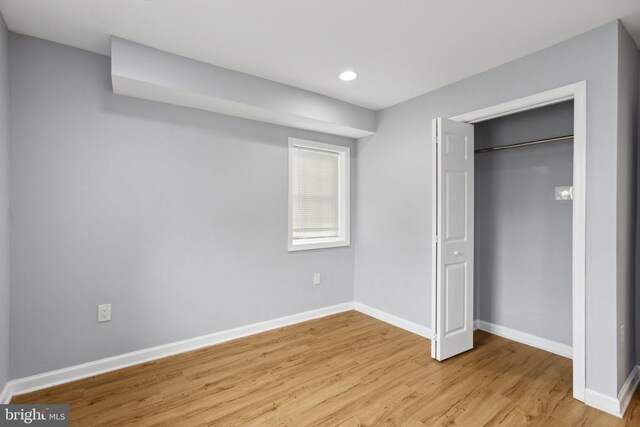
348, 75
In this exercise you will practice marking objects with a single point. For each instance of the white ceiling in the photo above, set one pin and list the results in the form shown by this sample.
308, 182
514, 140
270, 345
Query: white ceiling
400, 48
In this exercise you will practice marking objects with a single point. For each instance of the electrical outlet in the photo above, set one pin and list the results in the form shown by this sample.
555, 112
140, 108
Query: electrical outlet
104, 313
316, 278
621, 338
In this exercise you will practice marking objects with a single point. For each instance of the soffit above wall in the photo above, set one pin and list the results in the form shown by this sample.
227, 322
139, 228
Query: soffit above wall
152, 74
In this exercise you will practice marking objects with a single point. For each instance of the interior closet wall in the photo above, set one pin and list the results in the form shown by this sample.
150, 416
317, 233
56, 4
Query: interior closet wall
522, 235
4, 204
636, 301
626, 200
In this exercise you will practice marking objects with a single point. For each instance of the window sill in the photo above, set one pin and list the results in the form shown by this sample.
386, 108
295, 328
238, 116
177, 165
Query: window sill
317, 244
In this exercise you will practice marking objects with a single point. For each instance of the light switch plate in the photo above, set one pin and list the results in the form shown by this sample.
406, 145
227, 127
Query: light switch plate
564, 193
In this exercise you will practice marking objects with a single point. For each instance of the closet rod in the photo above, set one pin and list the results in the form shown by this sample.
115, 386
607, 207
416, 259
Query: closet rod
524, 144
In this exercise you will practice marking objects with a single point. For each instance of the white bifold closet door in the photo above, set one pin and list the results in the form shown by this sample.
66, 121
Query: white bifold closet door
453, 238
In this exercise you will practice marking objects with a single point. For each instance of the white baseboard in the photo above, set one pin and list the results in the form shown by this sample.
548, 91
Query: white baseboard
394, 320
525, 338
602, 402
615, 406
101, 366
5, 396
628, 388
72, 373
598, 400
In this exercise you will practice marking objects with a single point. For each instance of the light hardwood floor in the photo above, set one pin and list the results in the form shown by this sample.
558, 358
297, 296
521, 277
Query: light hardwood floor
347, 369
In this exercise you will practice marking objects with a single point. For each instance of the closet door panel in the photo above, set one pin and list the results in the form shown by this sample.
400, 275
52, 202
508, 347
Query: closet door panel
453, 242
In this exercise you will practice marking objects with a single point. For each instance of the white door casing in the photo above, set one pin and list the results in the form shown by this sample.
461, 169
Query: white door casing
453, 238
577, 92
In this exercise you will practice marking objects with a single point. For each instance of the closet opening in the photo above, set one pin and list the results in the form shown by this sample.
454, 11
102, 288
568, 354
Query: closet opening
509, 226
523, 227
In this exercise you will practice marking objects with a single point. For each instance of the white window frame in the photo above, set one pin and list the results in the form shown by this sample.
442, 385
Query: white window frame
344, 180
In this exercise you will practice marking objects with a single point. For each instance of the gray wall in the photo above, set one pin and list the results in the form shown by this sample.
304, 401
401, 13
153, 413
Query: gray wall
637, 270
4, 204
393, 271
522, 272
627, 109
177, 217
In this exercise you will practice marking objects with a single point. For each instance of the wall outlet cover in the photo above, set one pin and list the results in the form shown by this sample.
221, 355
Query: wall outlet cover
104, 313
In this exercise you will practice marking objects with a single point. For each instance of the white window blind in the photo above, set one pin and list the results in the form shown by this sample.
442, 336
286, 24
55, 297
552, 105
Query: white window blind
315, 183
319, 195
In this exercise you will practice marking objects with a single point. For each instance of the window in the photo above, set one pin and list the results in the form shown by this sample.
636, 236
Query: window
318, 195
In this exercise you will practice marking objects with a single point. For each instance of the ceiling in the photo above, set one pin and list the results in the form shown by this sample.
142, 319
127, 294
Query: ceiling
400, 48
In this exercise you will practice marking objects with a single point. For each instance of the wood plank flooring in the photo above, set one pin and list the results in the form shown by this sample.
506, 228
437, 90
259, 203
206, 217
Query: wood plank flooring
348, 369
